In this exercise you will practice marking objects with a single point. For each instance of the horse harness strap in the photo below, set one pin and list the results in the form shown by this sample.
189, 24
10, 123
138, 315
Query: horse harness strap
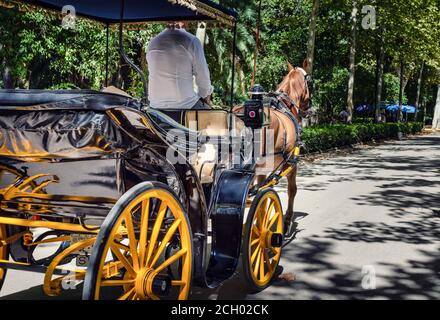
280, 104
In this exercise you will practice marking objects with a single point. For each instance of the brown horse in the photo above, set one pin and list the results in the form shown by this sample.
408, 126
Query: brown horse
296, 94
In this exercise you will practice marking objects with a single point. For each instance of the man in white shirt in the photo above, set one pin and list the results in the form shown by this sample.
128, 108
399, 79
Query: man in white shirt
174, 57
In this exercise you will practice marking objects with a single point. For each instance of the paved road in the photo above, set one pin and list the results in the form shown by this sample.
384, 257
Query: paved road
371, 217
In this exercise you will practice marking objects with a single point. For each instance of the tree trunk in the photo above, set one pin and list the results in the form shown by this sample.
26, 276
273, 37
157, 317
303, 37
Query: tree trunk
242, 78
8, 80
352, 67
257, 44
419, 90
402, 70
436, 118
379, 80
312, 36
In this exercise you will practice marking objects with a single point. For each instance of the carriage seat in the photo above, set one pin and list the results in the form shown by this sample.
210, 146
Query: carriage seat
64, 99
210, 123
22, 97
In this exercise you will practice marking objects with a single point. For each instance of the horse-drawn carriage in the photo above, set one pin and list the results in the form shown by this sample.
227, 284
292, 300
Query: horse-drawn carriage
90, 174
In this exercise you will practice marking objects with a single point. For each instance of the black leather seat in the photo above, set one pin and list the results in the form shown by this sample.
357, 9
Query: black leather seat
63, 99
31, 97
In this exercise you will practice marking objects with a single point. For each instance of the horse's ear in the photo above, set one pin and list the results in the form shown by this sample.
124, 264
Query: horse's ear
289, 66
306, 65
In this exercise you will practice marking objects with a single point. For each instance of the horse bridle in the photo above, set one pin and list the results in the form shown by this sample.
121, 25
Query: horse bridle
291, 104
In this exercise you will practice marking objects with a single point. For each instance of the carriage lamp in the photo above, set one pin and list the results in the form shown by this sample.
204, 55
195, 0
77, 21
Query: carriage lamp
254, 115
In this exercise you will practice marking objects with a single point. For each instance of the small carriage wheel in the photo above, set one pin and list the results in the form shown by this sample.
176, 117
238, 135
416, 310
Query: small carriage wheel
129, 253
4, 254
262, 241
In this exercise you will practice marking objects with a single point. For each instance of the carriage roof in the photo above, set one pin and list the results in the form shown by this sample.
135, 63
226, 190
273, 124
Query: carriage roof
135, 11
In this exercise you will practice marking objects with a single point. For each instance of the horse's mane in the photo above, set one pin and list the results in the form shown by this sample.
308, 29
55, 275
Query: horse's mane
293, 85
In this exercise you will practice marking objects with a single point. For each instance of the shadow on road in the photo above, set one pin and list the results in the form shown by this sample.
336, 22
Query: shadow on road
410, 194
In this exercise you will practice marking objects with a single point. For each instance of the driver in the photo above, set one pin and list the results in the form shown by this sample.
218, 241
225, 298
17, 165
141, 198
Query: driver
176, 61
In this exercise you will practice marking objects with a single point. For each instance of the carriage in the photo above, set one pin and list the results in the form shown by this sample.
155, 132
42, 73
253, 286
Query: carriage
95, 177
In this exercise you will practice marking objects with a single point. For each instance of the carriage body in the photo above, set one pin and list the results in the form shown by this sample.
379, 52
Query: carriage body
68, 158
89, 173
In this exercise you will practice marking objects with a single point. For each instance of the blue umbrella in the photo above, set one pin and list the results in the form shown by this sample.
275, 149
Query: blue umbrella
405, 108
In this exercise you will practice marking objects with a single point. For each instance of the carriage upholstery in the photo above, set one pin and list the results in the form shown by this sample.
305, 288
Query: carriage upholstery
37, 99
18, 98
209, 123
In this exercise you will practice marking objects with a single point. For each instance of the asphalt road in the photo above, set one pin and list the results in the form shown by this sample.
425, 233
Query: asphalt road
368, 227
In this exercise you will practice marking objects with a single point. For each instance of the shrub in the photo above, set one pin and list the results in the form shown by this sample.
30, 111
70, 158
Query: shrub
321, 138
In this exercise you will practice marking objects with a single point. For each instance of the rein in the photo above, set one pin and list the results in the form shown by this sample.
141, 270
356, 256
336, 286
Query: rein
291, 104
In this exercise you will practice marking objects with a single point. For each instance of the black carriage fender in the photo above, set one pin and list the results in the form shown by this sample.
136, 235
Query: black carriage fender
226, 214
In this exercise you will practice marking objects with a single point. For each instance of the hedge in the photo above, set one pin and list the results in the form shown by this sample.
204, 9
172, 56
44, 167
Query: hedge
321, 138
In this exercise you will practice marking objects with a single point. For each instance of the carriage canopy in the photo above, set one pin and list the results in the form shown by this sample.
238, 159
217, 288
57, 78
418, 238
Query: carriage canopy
108, 11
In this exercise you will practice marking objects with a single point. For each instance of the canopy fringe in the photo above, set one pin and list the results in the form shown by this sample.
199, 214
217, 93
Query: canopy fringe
206, 10
194, 5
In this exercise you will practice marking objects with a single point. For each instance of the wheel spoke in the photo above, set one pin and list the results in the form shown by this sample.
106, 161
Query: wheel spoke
116, 283
274, 219
255, 230
166, 239
258, 220
262, 213
132, 239
147, 225
267, 215
127, 295
254, 254
121, 246
144, 230
262, 265
171, 260
156, 229
123, 260
257, 265
254, 242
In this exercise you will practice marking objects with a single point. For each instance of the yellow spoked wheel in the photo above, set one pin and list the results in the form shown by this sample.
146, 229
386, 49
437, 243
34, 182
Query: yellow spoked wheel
263, 239
3, 253
143, 250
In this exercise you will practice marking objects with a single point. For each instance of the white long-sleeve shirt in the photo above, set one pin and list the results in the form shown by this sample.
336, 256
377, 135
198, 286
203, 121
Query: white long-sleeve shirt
174, 57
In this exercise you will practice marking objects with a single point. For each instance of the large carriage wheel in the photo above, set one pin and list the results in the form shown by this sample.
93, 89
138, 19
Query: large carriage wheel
3, 253
262, 241
144, 248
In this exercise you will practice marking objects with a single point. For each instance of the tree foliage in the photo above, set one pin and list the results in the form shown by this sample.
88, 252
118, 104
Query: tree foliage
36, 52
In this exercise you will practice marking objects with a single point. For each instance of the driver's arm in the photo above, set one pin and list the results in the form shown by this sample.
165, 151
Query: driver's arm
201, 71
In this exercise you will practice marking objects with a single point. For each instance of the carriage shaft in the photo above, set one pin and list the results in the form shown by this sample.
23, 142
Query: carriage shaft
46, 224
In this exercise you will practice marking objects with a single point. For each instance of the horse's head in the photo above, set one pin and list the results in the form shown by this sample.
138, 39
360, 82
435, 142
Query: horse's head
298, 86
